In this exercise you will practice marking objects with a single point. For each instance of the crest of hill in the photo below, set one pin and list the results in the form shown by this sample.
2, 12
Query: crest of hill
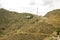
53, 13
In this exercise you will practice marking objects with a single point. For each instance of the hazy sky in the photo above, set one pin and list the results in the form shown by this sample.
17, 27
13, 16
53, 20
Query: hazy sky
30, 5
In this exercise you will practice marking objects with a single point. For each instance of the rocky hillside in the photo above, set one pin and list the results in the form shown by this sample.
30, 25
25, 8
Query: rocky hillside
54, 17
26, 26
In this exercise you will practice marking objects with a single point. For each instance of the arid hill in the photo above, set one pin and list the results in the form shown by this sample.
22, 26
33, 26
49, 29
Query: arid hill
54, 17
25, 26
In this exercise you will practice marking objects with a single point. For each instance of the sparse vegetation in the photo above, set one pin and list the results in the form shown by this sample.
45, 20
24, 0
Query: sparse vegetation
26, 26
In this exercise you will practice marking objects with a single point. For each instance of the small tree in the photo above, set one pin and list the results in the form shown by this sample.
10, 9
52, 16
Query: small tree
58, 31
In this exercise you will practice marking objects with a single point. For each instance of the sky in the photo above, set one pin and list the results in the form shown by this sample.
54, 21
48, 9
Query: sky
30, 6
